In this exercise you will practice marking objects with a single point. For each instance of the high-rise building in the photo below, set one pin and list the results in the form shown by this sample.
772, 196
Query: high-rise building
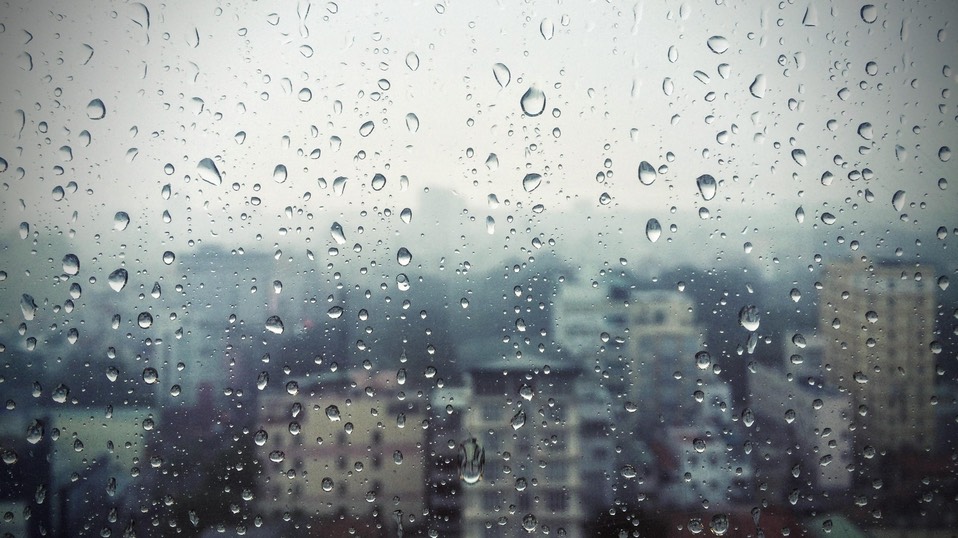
878, 320
526, 420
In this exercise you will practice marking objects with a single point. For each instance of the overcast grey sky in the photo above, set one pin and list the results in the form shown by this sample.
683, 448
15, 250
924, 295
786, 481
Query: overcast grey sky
623, 83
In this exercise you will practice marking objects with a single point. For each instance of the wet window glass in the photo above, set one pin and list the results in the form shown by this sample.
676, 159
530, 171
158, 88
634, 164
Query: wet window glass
478, 269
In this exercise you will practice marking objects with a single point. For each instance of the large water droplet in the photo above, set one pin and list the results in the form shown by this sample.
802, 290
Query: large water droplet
412, 122
533, 102
530, 523
28, 306
332, 413
71, 264
406, 215
96, 110
707, 186
403, 257
502, 74
749, 318
518, 420
336, 230
144, 320
547, 29
412, 61
117, 279
531, 182
798, 155
646, 173
758, 86
208, 171
366, 128
653, 230
335, 312
260, 437
898, 200
378, 182
472, 459
280, 173
717, 44
274, 325
150, 376
869, 13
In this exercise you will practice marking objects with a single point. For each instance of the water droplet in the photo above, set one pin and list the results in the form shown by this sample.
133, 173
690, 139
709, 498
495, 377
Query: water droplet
898, 200
28, 306
144, 320
412, 122
798, 155
800, 215
547, 29
866, 131
869, 13
277, 456
526, 392
412, 61
150, 376
530, 523
327, 484
274, 325
717, 44
378, 182
260, 437
492, 162
719, 524
71, 264
208, 171
703, 360
531, 182
472, 459
336, 230
758, 87
502, 74
332, 413
646, 173
279, 173
262, 380
653, 230
707, 186
366, 128
397, 457
518, 420
748, 418
944, 154
749, 318
117, 279
61, 393
698, 444
335, 312
403, 256
828, 218
96, 110
406, 215
943, 282
533, 102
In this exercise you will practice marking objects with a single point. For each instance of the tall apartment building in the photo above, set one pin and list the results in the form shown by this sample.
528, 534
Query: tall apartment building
526, 419
343, 449
878, 320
